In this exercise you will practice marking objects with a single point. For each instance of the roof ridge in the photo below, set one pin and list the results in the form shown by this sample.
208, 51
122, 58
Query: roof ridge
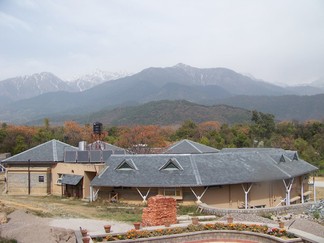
176, 144
276, 165
195, 170
194, 146
23, 152
55, 155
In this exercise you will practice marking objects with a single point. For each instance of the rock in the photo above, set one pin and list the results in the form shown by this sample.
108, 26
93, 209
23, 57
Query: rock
3, 218
287, 217
63, 235
317, 210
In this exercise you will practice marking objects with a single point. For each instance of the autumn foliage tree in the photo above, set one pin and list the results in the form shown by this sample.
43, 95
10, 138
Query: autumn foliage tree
305, 137
74, 133
139, 137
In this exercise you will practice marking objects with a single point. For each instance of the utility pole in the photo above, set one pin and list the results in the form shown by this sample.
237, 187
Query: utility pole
29, 177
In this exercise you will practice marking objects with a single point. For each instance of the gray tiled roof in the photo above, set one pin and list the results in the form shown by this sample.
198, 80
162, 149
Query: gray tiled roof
51, 151
200, 169
68, 179
100, 145
189, 147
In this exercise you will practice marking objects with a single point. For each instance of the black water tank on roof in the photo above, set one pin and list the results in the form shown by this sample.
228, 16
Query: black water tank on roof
97, 127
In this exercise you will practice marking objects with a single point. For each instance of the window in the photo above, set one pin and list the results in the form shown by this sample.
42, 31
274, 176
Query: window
282, 159
41, 179
59, 179
172, 192
127, 164
171, 164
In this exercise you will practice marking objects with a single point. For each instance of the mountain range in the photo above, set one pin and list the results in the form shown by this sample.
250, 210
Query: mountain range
60, 100
28, 86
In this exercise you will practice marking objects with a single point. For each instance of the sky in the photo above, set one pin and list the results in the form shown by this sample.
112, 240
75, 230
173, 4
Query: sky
279, 41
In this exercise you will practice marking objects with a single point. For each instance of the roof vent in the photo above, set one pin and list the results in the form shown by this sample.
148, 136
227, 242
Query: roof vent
171, 164
282, 159
126, 164
82, 145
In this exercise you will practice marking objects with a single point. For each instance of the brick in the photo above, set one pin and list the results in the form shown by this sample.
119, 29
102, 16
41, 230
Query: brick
160, 210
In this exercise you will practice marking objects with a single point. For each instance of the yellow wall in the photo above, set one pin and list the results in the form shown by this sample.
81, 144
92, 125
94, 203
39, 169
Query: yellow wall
17, 180
88, 171
268, 194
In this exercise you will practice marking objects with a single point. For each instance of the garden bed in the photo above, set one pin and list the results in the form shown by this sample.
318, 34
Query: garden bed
259, 233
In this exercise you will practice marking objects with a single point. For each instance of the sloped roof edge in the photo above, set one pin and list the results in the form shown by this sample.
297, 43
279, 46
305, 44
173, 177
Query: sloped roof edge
54, 154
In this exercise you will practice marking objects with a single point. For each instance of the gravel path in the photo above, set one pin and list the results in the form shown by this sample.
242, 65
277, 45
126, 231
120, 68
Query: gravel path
93, 226
307, 226
249, 218
27, 228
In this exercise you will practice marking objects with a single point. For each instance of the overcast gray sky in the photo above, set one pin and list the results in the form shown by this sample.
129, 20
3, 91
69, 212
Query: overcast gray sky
278, 41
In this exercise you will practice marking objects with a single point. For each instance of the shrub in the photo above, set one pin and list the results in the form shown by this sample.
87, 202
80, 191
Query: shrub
4, 240
263, 229
99, 239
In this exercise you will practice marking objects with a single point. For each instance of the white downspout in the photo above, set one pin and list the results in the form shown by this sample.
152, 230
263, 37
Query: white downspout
314, 188
302, 189
246, 194
199, 197
91, 194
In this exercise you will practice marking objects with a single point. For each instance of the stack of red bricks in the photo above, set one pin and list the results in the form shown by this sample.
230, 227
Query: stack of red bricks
160, 210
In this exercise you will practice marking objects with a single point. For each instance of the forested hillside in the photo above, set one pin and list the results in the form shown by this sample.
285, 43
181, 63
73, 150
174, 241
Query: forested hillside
307, 137
167, 112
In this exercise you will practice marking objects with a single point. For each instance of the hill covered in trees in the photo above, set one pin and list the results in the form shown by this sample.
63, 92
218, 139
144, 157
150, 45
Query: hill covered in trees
168, 112
305, 137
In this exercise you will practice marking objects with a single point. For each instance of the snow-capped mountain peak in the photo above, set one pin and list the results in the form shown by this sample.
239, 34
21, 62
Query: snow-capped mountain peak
28, 86
88, 81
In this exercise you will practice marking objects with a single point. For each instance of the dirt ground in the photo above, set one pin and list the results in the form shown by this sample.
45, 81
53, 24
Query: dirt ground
58, 216
50, 206
320, 190
51, 219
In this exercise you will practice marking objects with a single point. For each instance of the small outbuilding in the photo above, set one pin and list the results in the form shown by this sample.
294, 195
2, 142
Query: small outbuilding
29, 172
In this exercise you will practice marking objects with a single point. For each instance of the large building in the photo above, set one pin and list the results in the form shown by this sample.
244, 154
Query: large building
187, 171
230, 178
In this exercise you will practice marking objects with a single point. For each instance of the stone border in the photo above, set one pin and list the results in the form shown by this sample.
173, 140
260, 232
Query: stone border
296, 208
214, 235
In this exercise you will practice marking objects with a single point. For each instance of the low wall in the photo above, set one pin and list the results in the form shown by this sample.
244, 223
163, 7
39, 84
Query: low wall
216, 235
295, 209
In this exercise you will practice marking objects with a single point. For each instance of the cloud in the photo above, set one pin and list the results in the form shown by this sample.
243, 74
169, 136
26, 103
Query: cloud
278, 41
13, 23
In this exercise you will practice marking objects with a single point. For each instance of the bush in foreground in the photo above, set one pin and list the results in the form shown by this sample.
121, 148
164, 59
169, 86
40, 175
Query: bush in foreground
136, 234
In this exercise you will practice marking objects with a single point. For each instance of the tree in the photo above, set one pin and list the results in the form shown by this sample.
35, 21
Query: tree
3, 135
141, 137
20, 145
74, 133
264, 125
188, 130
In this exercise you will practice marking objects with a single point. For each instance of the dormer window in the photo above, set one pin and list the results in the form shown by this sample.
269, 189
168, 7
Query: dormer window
295, 156
282, 159
171, 164
126, 164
